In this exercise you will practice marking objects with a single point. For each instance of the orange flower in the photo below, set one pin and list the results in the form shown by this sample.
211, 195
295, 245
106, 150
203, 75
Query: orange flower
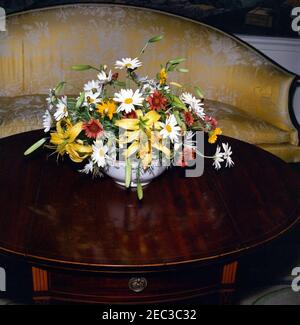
107, 108
213, 136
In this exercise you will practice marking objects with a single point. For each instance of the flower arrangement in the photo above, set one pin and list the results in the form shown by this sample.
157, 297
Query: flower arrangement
138, 119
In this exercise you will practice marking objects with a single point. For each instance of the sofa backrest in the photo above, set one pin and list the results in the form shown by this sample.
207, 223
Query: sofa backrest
40, 47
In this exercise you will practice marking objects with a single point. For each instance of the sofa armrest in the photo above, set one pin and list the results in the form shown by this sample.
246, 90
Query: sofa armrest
294, 99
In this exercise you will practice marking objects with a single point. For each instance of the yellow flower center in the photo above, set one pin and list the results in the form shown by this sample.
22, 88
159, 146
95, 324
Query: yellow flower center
169, 128
128, 65
128, 101
90, 100
101, 153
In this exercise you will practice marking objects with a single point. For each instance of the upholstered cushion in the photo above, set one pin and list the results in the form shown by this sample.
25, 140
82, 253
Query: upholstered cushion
41, 46
24, 113
285, 151
21, 114
240, 125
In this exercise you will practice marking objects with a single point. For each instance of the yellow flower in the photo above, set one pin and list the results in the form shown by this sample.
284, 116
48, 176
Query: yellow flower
145, 153
139, 132
65, 138
107, 108
213, 136
78, 152
163, 76
134, 124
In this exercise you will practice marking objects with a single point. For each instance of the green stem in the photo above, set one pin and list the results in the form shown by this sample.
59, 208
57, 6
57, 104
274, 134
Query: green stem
138, 182
96, 69
144, 49
203, 156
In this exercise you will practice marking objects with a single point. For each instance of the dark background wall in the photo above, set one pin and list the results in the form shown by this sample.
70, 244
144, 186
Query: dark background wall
235, 16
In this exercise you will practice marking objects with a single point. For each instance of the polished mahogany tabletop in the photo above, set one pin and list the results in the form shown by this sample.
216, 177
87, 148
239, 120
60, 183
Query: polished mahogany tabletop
50, 213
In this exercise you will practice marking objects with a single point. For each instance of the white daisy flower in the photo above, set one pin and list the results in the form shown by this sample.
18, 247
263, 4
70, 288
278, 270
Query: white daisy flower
104, 78
93, 86
149, 86
92, 98
218, 158
187, 142
170, 129
88, 168
142, 80
99, 155
227, 155
164, 88
47, 121
195, 104
128, 63
49, 99
62, 108
128, 100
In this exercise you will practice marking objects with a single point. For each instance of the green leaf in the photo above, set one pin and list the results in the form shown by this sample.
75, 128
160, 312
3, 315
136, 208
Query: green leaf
183, 70
171, 67
177, 102
140, 191
156, 39
177, 60
80, 100
59, 88
128, 170
35, 146
179, 121
81, 67
120, 83
199, 92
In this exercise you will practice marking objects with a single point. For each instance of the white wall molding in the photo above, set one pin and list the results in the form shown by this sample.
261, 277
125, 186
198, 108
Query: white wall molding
272, 42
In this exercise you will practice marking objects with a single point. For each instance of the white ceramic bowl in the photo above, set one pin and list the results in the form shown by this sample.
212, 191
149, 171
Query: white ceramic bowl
117, 172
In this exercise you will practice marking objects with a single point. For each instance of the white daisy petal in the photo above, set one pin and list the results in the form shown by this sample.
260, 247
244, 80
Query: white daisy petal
128, 63
218, 158
88, 168
227, 155
128, 100
49, 99
47, 121
99, 155
92, 98
188, 140
62, 109
194, 104
104, 77
93, 86
170, 129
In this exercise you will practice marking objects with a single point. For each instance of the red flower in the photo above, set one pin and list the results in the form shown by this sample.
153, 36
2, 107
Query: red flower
115, 76
93, 129
211, 121
185, 157
157, 101
132, 114
189, 120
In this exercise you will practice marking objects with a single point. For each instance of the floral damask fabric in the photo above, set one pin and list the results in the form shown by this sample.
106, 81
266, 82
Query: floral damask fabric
39, 48
24, 113
21, 114
240, 125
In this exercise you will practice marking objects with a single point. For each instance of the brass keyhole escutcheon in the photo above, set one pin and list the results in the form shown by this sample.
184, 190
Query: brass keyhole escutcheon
137, 284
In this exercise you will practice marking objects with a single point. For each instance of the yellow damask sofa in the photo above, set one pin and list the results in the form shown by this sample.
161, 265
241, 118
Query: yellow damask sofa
248, 93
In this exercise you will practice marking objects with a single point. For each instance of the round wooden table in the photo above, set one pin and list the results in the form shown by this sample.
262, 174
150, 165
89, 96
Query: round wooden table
86, 240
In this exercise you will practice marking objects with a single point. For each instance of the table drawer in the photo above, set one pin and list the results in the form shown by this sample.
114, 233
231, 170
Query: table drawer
134, 287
